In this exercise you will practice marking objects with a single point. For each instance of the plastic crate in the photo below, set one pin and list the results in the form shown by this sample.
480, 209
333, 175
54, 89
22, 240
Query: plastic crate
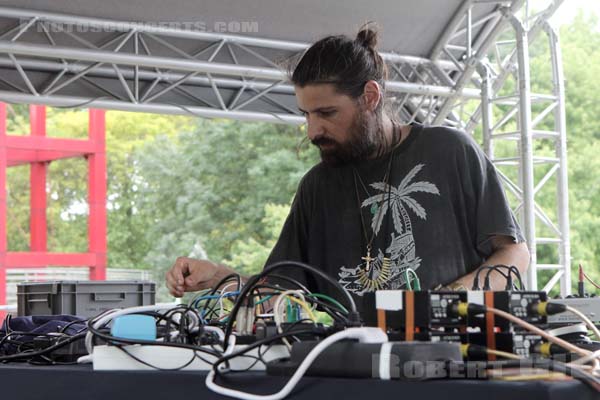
82, 298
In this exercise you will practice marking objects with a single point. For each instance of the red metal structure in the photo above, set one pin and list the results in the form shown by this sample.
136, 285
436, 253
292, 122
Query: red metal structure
38, 151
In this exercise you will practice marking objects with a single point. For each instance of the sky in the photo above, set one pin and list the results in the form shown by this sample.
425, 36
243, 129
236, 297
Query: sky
569, 8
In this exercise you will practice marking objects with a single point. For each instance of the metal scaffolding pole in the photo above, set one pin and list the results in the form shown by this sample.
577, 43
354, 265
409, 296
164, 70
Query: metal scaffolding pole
486, 110
526, 145
561, 153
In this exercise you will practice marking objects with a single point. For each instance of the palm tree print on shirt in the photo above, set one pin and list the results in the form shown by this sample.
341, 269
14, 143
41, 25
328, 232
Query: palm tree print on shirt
387, 270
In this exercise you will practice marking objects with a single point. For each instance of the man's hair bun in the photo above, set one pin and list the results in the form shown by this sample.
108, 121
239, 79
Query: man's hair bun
368, 36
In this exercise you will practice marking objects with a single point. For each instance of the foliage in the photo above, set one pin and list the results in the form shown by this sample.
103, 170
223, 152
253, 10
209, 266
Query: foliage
208, 190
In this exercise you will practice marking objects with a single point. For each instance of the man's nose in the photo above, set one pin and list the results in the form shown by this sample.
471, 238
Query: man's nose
313, 128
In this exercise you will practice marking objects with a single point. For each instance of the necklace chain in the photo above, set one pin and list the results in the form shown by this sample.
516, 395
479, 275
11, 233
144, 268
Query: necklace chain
377, 210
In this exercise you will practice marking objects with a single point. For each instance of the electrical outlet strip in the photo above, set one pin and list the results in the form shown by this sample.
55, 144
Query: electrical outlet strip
111, 358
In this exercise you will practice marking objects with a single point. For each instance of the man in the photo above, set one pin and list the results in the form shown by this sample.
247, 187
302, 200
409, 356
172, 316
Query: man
386, 199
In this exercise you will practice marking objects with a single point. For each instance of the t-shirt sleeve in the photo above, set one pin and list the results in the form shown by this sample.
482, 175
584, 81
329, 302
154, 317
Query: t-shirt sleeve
489, 208
292, 244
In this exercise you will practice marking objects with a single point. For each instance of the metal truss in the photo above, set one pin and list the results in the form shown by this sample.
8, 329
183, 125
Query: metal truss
54, 58
515, 122
62, 60
510, 112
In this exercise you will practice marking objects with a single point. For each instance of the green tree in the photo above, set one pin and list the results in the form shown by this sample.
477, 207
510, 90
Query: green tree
209, 190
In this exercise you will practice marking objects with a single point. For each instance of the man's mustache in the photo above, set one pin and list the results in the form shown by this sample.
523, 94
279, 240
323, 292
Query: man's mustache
322, 140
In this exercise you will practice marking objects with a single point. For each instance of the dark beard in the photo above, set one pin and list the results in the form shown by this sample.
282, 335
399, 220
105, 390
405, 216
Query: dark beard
365, 140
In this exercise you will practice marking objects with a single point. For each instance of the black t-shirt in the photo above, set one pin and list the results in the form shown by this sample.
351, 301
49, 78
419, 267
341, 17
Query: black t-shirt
443, 204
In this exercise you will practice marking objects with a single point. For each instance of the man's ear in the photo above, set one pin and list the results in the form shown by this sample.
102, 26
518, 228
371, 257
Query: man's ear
372, 95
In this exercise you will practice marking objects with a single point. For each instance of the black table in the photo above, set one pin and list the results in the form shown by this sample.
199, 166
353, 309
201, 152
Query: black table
23, 381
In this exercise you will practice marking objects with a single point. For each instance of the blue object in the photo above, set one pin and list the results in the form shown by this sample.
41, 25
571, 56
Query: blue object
134, 326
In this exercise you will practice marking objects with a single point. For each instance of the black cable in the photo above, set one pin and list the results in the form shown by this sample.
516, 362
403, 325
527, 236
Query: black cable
253, 280
248, 368
113, 339
183, 324
337, 314
258, 343
486, 281
516, 271
235, 276
485, 267
289, 327
158, 316
315, 271
64, 328
6, 339
49, 349
291, 280
511, 270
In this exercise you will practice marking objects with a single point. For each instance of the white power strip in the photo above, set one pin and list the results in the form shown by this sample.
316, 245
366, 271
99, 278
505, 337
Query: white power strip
175, 358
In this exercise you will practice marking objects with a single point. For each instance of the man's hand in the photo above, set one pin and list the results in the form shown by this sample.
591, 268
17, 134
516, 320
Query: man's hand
190, 275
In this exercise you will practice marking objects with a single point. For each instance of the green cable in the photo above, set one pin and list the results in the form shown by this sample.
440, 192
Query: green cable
416, 279
263, 300
288, 310
330, 299
407, 279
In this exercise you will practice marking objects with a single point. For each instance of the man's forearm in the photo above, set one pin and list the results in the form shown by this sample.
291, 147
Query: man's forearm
511, 254
222, 271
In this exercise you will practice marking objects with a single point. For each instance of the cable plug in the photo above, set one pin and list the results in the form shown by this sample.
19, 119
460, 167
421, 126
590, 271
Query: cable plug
463, 309
486, 283
548, 349
367, 334
509, 282
580, 282
473, 352
545, 308
354, 319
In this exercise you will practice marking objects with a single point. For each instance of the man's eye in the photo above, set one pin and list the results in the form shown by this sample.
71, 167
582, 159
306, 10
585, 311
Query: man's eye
327, 113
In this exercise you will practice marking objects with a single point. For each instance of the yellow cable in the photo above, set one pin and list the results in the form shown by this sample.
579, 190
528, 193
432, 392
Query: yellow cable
305, 307
504, 354
533, 377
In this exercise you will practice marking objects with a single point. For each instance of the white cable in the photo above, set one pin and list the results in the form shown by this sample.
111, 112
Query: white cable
230, 345
364, 335
217, 330
585, 319
385, 355
85, 359
278, 314
585, 359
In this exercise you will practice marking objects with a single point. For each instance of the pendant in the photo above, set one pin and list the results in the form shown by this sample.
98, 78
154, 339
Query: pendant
368, 259
374, 208
377, 278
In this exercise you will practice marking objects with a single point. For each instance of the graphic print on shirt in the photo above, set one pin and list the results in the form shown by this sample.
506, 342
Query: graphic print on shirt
387, 271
